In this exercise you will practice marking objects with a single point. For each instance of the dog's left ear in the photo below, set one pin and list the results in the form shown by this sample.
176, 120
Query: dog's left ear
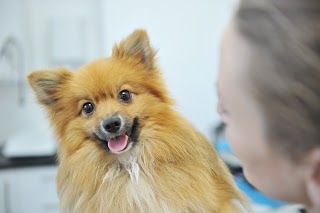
48, 85
136, 46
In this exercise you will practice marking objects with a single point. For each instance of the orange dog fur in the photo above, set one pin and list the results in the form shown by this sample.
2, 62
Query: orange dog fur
122, 147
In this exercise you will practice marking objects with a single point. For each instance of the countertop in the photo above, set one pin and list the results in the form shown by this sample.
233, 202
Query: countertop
8, 163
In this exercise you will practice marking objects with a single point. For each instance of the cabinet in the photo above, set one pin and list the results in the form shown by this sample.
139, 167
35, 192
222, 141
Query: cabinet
28, 190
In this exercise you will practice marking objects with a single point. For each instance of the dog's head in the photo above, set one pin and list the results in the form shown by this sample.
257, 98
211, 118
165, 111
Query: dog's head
108, 101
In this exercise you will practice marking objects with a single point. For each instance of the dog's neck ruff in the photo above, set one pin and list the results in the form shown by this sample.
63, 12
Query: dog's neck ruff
127, 161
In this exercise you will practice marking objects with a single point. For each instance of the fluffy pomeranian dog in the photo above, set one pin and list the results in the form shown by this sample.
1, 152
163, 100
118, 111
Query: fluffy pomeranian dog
122, 146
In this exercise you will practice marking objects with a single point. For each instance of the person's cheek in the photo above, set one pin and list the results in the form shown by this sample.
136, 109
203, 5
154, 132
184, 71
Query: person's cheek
234, 141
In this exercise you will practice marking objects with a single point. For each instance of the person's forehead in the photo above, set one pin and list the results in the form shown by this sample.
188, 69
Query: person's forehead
227, 59
235, 58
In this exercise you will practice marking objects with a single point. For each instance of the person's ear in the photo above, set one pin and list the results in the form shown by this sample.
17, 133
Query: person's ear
313, 186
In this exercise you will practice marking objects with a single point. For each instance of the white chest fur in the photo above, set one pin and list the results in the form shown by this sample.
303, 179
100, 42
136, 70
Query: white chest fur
140, 191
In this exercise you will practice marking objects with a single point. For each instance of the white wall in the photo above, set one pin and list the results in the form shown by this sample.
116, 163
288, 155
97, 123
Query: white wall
40, 14
187, 35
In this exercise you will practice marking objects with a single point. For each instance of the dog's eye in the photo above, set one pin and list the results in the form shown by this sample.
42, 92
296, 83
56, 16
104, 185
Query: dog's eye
87, 108
125, 96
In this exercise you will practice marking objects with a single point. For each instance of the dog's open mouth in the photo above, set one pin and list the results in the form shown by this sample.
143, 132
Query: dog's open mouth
118, 143
121, 142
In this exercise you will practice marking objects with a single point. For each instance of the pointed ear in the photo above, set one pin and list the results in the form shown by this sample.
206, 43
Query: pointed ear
47, 84
136, 46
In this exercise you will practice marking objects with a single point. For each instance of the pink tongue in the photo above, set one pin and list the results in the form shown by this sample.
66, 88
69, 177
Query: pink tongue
118, 143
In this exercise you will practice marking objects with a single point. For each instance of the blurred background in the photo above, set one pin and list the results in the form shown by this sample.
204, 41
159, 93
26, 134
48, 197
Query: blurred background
43, 34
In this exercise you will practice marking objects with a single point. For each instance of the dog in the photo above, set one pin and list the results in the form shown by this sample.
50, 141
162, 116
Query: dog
121, 145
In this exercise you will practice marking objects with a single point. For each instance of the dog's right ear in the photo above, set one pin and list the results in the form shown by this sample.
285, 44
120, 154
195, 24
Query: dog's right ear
48, 84
136, 46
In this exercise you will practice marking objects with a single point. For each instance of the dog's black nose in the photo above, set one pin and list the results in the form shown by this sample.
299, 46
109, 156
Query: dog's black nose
112, 124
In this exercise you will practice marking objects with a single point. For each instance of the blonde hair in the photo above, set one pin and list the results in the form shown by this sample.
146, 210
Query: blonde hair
284, 77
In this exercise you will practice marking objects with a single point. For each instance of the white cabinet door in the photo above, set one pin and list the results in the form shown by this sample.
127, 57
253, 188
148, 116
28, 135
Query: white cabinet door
33, 190
4, 192
2, 199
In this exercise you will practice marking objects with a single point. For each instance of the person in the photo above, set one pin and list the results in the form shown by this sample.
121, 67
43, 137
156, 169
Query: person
269, 96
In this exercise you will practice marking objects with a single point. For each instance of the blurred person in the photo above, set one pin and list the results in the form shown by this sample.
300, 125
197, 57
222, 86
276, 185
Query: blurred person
269, 96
